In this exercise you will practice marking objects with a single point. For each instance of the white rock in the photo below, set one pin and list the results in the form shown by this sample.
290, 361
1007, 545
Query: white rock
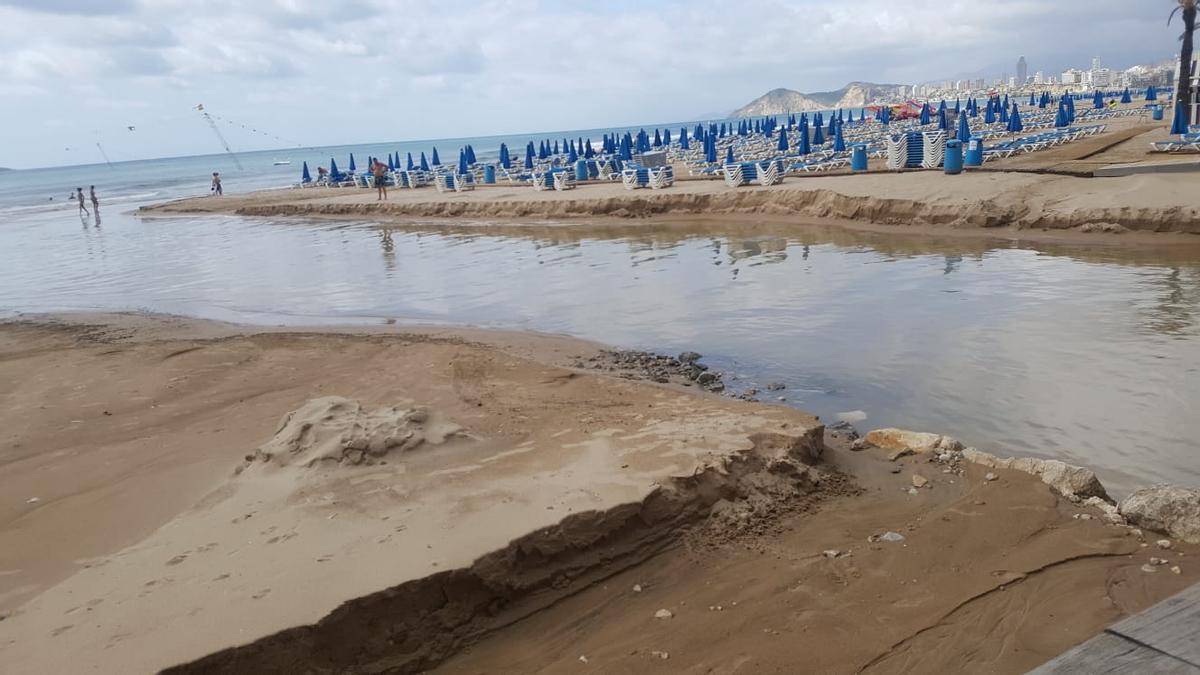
919, 481
901, 439
1065, 479
1082, 516
663, 614
33, 500
637, 588
989, 476
1165, 508
1149, 568
662, 655
583, 659
1163, 543
1176, 570
890, 537
832, 553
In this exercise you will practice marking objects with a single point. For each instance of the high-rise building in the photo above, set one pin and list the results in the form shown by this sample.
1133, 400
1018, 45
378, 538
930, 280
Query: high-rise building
1095, 63
1022, 70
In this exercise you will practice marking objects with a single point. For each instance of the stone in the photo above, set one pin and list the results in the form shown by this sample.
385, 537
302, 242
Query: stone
859, 445
919, 481
706, 378
637, 588
1082, 516
901, 439
1065, 479
689, 357
1163, 543
1159, 561
663, 614
912, 491
889, 537
1176, 570
662, 655
898, 453
583, 659
989, 476
1149, 568
832, 553
897, 469
1174, 511
776, 386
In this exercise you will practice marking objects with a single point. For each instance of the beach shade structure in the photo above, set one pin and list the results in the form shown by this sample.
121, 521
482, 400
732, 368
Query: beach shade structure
657, 138
505, 160
1060, 119
667, 137
305, 176
462, 161
588, 151
1004, 105
783, 141
1151, 93
832, 125
1179, 125
434, 159
729, 155
1098, 100
839, 142
424, 162
710, 151
529, 155
1070, 110
555, 151
683, 139
850, 117
964, 128
1126, 97
957, 106
989, 115
333, 171
572, 156
352, 168
1032, 100
924, 118
818, 137
941, 119
626, 152
391, 163
1044, 100
410, 165
803, 147
1014, 121
1003, 114
543, 150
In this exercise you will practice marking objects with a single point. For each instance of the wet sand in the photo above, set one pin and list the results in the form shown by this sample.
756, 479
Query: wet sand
1046, 190
146, 527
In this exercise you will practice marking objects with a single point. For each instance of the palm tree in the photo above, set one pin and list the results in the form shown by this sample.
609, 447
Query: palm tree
1184, 87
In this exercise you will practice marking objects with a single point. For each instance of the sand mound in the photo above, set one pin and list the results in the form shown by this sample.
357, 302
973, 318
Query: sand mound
338, 431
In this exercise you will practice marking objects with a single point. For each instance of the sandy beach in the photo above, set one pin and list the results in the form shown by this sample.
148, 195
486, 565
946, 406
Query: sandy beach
1048, 190
386, 498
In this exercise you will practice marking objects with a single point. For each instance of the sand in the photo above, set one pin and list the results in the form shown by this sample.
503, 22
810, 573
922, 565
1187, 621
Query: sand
1047, 190
387, 498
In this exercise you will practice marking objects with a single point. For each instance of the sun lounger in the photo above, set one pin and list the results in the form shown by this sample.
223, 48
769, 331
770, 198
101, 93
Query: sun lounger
635, 177
564, 180
661, 177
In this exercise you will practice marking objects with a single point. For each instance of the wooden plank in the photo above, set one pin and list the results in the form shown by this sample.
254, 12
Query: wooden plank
1171, 626
1108, 653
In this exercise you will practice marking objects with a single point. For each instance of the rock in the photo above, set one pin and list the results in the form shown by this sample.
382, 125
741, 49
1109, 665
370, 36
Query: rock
637, 588
583, 659
989, 476
1110, 510
688, 357
1065, 479
662, 655
832, 553
1163, 543
1164, 508
912, 491
33, 500
897, 469
1159, 561
889, 537
1082, 516
859, 445
1176, 570
914, 441
898, 453
663, 614
776, 386
1149, 568
706, 379
919, 481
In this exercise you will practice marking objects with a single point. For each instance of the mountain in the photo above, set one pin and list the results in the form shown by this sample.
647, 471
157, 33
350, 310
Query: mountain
780, 101
4, 169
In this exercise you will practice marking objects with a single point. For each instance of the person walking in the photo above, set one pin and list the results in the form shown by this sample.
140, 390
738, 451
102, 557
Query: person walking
82, 207
216, 185
95, 200
379, 170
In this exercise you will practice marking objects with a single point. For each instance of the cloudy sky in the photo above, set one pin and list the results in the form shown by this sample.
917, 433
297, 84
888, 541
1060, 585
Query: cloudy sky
317, 72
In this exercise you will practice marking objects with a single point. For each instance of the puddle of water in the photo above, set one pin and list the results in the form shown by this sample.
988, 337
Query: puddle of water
1091, 355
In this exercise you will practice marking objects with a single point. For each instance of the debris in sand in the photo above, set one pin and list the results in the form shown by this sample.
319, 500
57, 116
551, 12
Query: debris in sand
1163, 543
859, 445
913, 441
912, 491
662, 655
832, 553
1176, 569
989, 476
1082, 516
339, 431
897, 469
897, 454
1149, 568
663, 614
33, 500
583, 659
1159, 561
660, 368
919, 481
637, 588
889, 536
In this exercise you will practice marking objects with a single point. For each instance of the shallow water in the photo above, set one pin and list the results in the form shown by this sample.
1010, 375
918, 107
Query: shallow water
1083, 353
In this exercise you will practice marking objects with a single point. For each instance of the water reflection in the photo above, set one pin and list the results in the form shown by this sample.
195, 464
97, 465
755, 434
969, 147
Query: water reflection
1081, 352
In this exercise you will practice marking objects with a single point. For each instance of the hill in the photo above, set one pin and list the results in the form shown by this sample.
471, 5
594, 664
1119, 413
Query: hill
780, 101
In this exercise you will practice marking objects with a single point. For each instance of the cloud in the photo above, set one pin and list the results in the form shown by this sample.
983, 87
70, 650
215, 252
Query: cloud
82, 7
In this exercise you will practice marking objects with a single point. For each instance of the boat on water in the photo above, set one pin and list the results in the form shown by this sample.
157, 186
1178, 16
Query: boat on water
282, 162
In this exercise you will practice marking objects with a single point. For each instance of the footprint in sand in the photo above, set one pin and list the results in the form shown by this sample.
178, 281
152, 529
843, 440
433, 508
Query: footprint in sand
176, 560
207, 547
223, 577
261, 594
325, 558
60, 630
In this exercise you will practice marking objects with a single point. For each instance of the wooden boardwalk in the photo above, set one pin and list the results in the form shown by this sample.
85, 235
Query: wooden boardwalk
1163, 639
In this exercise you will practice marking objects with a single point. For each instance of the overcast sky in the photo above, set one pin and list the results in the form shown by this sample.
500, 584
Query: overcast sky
318, 72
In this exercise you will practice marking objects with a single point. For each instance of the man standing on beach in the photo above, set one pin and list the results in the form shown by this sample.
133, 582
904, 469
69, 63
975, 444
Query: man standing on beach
95, 200
82, 207
379, 170
216, 184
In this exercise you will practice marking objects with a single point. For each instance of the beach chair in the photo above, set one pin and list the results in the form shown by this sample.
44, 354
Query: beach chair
736, 175
661, 177
1184, 143
464, 182
444, 182
771, 172
564, 180
543, 180
635, 177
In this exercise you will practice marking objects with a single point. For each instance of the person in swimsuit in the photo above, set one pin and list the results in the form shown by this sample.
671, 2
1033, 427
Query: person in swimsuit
95, 200
379, 170
82, 207
216, 184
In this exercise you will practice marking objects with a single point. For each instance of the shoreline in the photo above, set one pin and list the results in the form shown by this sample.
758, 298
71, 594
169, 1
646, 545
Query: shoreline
640, 471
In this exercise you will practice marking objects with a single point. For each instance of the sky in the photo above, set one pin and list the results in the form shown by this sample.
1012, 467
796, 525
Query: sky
74, 73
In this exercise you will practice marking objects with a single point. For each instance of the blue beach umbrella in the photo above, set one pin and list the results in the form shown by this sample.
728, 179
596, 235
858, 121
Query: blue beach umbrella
1003, 116
666, 137
941, 117
411, 165
555, 152
424, 162
1032, 100
683, 139
626, 152
783, 141
305, 177
1151, 93
989, 115
839, 142
964, 128
1098, 100
1070, 110
1060, 119
391, 163
572, 156
462, 161
1014, 121
434, 159
1126, 97
818, 137
333, 168
832, 125
710, 151
657, 139
588, 151
505, 160
729, 155
851, 120
352, 167
803, 147
471, 159
924, 119
1179, 125
957, 106
529, 155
